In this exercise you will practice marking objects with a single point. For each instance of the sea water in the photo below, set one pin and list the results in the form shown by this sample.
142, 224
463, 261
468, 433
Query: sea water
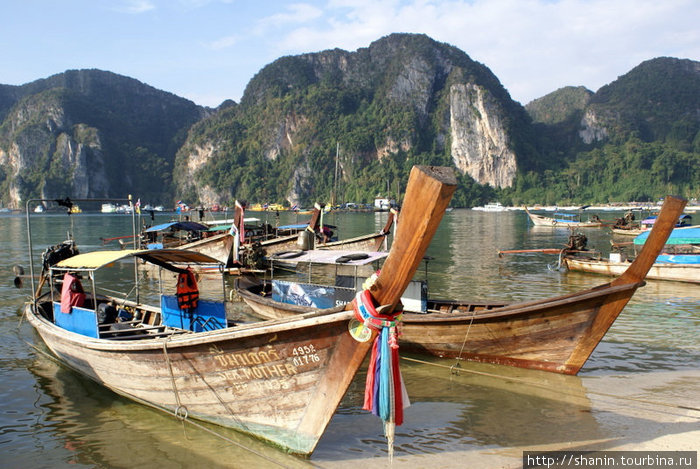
639, 390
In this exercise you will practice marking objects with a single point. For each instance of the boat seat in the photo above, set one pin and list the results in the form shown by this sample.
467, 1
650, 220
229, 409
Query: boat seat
128, 330
108, 326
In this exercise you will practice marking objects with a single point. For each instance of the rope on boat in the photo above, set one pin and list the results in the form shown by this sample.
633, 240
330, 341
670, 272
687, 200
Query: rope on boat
466, 335
179, 406
455, 369
216, 394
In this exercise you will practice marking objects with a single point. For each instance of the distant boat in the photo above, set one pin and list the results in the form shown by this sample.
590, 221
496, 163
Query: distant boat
108, 208
39, 209
680, 260
677, 268
646, 224
563, 220
492, 207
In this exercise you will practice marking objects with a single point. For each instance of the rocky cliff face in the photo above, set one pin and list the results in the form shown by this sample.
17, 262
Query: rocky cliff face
591, 129
403, 95
480, 144
43, 141
88, 134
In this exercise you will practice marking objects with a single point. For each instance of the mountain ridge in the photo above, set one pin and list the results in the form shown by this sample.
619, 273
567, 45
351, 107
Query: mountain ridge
404, 99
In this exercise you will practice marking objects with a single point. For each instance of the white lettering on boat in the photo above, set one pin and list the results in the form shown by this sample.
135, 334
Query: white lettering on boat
267, 364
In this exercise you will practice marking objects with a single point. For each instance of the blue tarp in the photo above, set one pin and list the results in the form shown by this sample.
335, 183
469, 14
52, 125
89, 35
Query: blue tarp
689, 235
178, 225
301, 226
298, 226
678, 259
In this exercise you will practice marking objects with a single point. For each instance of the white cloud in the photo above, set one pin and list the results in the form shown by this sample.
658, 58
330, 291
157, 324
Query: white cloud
295, 13
533, 46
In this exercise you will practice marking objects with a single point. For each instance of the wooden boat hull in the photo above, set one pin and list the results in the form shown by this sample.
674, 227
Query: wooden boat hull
233, 377
372, 242
219, 247
628, 231
658, 271
539, 220
552, 335
366, 243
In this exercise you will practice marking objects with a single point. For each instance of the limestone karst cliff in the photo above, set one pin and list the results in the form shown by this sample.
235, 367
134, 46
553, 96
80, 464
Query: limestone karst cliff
403, 96
89, 134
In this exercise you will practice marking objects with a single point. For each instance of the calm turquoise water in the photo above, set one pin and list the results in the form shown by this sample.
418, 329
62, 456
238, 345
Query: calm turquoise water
51, 417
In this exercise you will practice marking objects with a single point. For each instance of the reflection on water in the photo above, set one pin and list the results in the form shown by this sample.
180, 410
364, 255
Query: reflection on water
455, 420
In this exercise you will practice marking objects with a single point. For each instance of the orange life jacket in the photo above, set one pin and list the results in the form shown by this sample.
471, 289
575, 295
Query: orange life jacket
187, 291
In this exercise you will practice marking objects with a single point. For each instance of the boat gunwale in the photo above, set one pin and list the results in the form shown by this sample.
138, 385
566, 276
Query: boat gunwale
510, 310
311, 319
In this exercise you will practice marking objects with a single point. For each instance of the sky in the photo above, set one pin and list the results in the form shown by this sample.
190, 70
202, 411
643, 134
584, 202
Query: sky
208, 50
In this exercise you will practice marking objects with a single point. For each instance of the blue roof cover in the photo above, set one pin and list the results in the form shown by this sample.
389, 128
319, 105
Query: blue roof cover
178, 225
690, 235
299, 226
684, 219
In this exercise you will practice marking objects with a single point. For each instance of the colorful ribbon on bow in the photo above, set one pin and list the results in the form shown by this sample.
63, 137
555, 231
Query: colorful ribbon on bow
385, 393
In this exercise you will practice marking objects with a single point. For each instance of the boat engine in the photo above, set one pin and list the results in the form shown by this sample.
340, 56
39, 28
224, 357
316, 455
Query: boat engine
577, 242
55, 254
252, 256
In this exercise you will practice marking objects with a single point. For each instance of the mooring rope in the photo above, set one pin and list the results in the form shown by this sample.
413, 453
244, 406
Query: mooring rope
179, 405
456, 369
466, 335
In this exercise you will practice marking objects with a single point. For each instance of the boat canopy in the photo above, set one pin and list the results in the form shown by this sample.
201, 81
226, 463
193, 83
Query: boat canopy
94, 260
333, 257
179, 225
684, 219
301, 226
687, 235
560, 214
219, 228
298, 226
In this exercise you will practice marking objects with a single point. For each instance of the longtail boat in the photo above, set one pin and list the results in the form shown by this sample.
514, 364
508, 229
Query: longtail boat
679, 262
280, 380
306, 239
554, 334
563, 220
